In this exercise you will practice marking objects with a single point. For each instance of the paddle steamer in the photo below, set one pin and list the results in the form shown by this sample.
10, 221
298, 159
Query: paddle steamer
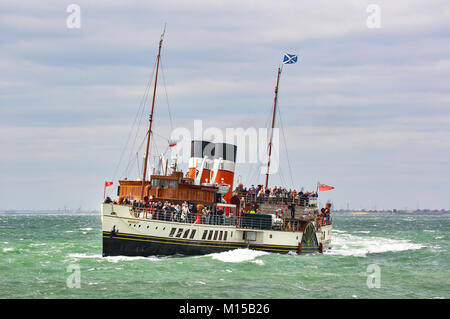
210, 216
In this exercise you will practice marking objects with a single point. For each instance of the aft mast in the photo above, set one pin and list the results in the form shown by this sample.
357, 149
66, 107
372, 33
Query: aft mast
287, 59
273, 125
151, 114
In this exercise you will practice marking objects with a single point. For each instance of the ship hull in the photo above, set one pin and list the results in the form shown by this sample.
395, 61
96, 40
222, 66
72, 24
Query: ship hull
125, 235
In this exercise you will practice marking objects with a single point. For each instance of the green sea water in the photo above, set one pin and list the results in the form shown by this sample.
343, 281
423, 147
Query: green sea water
59, 256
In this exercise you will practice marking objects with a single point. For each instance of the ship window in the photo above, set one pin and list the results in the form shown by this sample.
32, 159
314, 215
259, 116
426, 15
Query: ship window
225, 235
193, 233
155, 182
173, 184
172, 231
220, 235
215, 234
210, 234
186, 233
164, 183
204, 234
180, 231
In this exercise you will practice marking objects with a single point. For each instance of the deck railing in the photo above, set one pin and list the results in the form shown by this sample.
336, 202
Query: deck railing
304, 201
246, 221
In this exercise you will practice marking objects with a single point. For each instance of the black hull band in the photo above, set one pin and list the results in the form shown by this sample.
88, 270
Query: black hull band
132, 245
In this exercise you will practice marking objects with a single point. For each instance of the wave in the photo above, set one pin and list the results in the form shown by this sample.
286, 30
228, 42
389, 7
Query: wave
239, 255
359, 246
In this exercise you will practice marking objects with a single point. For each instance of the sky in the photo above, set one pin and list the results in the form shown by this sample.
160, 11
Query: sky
365, 109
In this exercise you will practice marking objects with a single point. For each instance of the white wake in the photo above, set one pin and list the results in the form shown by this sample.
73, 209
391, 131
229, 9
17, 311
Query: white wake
351, 245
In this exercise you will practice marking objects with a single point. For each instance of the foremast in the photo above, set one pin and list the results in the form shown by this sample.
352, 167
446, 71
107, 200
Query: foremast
151, 115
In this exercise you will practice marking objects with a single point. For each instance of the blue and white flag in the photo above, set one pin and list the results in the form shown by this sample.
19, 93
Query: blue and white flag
289, 59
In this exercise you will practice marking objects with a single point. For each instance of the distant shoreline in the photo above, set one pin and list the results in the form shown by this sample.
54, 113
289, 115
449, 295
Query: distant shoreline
401, 212
338, 212
47, 212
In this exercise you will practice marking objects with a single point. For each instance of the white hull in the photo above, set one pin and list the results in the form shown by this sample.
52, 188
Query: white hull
125, 234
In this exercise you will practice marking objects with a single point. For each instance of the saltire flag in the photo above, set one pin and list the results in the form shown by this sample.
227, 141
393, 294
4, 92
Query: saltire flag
323, 187
107, 184
290, 58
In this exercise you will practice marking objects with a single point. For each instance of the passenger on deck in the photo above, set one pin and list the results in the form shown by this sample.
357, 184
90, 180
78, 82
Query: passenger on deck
292, 208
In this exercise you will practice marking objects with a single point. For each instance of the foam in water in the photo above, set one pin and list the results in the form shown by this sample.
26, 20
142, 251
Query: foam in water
114, 259
239, 255
350, 245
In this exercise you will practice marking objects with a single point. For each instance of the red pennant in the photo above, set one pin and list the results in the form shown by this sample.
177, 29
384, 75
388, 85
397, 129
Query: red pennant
323, 187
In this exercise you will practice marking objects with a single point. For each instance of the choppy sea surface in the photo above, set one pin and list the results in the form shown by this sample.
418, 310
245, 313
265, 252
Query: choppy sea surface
381, 256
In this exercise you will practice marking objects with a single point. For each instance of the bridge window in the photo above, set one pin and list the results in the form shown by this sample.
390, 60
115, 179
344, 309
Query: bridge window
180, 231
225, 235
220, 235
173, 184
210, 234
186, 233
204, 234
215, 234
155, 182
193, 233
164, 183
172, 231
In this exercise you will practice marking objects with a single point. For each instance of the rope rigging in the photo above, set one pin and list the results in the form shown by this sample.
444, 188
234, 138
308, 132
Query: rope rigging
139, 115
138, 127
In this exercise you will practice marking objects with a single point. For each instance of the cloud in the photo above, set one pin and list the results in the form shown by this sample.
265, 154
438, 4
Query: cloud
362, 106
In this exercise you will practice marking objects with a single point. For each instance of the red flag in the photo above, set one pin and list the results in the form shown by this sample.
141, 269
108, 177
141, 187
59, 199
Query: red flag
108, 184
323, 187
172, 143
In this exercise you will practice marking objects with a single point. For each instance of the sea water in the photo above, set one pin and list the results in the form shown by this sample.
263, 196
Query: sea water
373, 256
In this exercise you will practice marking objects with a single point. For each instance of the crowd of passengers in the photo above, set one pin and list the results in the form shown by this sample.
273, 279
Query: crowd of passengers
274, 192
185, 212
